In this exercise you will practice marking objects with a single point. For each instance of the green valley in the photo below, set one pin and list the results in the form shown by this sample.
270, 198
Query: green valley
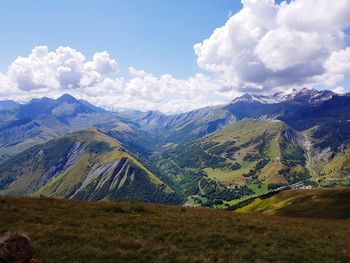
246, 158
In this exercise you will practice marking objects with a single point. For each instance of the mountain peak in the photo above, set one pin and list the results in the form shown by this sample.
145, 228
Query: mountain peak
8, 104
306, 91
304, 95
38, 100
256, 98
67, 98
244, 98
154, 113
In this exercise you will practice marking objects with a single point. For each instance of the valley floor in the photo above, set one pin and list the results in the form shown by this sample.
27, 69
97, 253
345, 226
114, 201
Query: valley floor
77, 231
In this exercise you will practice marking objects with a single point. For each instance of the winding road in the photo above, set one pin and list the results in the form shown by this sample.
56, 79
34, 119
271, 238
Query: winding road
309, 160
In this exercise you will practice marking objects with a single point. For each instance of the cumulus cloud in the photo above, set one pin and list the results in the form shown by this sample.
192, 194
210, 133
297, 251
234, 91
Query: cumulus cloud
66, 70
271, 46
171, 95
263, 47
52, 73
133, 72
316, 15
340, 90
339, 61
63, 68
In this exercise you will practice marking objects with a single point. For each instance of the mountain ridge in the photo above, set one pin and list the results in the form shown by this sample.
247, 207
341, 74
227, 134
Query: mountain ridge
83, 165
296, 139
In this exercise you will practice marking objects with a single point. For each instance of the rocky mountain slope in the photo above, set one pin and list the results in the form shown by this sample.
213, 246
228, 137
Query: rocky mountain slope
85, 165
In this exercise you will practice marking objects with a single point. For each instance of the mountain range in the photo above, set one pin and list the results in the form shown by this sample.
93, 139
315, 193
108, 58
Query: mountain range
215, 156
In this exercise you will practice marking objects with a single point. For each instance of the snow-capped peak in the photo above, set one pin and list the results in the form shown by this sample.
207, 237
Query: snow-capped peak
304, 95
255, 98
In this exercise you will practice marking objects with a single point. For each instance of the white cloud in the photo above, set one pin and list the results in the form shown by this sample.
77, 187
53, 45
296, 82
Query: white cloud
172, 95
52, 73
133, 72
102, 63
280, 49
315, 15
339, 90
272, 46
63, 68
66, 70
339, 61
264, 47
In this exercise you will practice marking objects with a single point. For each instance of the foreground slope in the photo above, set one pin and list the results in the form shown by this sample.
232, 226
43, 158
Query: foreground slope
76, 231
83, 165
319, 203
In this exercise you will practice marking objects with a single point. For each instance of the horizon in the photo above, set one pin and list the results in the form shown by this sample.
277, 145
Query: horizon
139, 55
165, 113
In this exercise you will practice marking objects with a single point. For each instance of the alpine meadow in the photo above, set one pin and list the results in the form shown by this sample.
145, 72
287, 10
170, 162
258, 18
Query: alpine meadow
186, 131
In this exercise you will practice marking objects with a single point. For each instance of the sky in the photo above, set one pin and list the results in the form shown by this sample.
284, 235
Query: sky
154, 35
171, 56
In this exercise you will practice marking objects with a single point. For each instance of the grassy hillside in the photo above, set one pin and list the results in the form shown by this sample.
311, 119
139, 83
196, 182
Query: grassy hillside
328, 167
243, 159
337, 170
80, 231
83, 165
318, 203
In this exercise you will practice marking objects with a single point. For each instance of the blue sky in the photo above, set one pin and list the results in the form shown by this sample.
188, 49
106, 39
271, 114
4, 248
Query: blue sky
155, 35
171, 56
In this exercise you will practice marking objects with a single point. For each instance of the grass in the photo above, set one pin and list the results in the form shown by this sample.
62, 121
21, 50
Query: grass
270, 173
226, 176
138, 207
233, 202
338, 167
114, 209
243, 133
230, 177
274, 150
326, 203
65, 183
254, 187
77, 231
246, 129
93, 133
193, 200
258, 189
